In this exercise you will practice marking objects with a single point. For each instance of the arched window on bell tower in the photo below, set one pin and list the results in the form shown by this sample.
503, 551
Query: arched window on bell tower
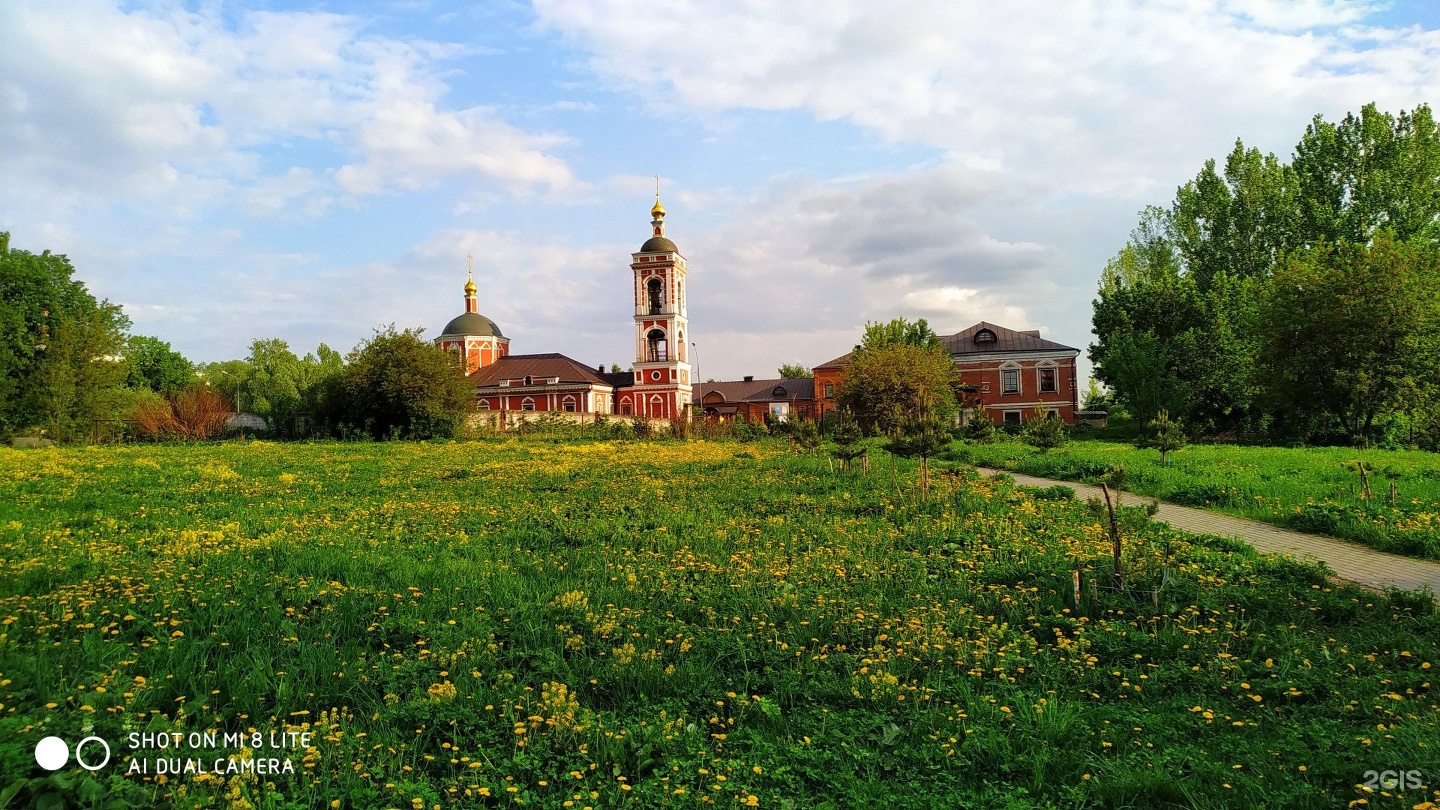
654, 292
655, 346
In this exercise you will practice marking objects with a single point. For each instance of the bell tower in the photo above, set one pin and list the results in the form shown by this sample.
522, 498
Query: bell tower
662, 384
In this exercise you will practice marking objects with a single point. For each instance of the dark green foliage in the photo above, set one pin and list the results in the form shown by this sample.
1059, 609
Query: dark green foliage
153, 365
1043, 430
1353, 332
978, 426
847, 436
806, 435
397, 385
59, 350
1188, 308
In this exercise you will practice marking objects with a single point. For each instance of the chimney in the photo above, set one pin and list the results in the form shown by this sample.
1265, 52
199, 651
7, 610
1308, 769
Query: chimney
750, 378
600, 368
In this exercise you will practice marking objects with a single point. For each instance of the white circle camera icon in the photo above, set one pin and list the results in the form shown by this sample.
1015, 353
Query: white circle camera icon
52, 753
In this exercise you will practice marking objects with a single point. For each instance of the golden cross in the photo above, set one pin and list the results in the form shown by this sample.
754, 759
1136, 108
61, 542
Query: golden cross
469, 264
657, 186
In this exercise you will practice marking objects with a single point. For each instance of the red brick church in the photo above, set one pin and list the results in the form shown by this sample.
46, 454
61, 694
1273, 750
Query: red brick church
658, 385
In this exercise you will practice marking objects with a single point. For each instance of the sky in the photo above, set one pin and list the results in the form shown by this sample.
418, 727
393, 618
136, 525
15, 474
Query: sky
313, 171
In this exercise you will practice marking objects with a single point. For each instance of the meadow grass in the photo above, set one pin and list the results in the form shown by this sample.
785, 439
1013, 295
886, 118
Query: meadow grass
1310, 489
669, 624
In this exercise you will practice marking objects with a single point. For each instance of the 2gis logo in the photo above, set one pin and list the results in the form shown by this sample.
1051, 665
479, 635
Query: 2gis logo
1393, 780
52, 753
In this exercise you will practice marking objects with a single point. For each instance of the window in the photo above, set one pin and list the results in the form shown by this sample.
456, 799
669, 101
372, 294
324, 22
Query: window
656, 343
1012, 417
680, 344
778, 391
984, 336
529, 380
1010, 381
527, 404
568, 404
1052, 414
484, 405
654, 293
1047, 381
829, 390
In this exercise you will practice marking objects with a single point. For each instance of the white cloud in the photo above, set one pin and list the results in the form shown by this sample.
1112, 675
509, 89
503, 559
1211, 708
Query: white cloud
149, 105
1093, 97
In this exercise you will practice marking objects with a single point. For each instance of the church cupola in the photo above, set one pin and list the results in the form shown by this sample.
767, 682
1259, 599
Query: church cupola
661, 386
657, 243
471, 335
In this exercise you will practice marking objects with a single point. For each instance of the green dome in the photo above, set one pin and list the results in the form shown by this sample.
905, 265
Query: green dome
658, 244
472, 323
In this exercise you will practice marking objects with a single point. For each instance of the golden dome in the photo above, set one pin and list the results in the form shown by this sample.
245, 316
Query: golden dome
659, 210
470, 287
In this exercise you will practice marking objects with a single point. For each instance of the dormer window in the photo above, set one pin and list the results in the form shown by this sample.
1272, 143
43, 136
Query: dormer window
984, 336
529, 380
778, 392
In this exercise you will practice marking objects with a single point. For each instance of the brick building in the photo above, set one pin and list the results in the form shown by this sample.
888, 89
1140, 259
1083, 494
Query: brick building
751, 400
1007, 372
658, 385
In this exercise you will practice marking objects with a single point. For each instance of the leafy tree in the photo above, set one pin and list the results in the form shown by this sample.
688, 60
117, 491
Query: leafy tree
397, 385
1043, 430
226, 377
1353, 331
1164, 434
898, 371
157, 367
793, 371
78, 390
59, 349
922, 438
272, 387
898, 331
1178, 319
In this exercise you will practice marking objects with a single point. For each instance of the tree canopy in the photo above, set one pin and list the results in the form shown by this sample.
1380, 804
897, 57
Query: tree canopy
1190, 309
793, 371
398, 385
899, 371
61, 364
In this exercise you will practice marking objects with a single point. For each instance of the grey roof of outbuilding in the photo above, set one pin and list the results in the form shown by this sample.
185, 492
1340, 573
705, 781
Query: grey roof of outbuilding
471, 323
758, 390
1006, 340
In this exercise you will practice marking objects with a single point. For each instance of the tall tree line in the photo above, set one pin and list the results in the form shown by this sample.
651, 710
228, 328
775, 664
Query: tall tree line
1293, 301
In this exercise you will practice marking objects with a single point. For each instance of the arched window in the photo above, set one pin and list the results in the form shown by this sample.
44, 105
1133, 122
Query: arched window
654, 291
568, 403
656, 342
527, 404
625, 406
984, 336
484, 405
680, 343
829, 390
778, 392
529, 380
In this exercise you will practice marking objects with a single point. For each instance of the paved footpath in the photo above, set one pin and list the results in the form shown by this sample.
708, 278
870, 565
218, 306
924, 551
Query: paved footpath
1350, 561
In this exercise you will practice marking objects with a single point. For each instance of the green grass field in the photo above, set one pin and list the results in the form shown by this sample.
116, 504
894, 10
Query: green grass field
669, 624
1311, 489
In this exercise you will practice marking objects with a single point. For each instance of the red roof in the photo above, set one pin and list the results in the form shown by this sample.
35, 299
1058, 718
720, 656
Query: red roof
1005, 340
539, 367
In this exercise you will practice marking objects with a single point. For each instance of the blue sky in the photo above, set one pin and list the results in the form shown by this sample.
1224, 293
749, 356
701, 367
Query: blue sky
311, 171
